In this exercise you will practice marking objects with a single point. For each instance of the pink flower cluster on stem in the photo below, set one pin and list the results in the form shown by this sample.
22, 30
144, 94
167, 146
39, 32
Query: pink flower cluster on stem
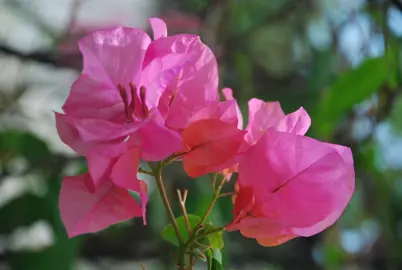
288, 185
142, 99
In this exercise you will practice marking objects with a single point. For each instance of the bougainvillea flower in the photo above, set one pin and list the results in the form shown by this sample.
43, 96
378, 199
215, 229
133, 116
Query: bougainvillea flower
228, 94
107, 162
118, 91
108, 165
291, 185
124, 175
212, 140
220, 137
115, 95
101, 156
211, 145
194, 86
68, 48
105, 105
264, 115
159, 28
125, 75
114, 113
83, 211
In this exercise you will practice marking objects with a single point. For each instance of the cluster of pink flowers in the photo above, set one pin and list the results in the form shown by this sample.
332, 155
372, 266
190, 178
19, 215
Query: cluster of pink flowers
143, 99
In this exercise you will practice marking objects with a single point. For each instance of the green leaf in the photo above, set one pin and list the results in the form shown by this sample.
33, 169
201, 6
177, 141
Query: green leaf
169, 234
214, 258
396, 113
271, 48
209, 255
17, 143
216, 253
393, 62
353, 87
333, 254
247, 15
215, 239
321, 73
216, 265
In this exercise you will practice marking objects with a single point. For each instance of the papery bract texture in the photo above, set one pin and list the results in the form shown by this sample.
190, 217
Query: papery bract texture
228, 94
124, 175
211, 145
83, 211
264, 115
136, 99
298, 186
124, 76
156, 141
212, 140
111, 57
195, 86
158, 28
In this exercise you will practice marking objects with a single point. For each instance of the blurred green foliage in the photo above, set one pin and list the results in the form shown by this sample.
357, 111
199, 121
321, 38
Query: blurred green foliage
25, 210
168, 232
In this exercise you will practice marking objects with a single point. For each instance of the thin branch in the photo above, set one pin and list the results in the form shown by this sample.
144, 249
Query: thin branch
218, 229
188, 245
214, 181
141, 170
162, 192
45, 57
182, 201
73, 15
212, 203
222, 195
201, 253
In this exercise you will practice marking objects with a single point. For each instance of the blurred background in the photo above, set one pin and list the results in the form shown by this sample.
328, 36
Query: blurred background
340, 59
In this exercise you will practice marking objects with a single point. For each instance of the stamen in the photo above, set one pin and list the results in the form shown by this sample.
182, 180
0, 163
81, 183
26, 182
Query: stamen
172, 98
175, 89
143, 95
127, 112
133, 89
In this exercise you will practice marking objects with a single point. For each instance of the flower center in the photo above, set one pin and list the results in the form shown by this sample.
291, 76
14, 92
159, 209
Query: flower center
130, 108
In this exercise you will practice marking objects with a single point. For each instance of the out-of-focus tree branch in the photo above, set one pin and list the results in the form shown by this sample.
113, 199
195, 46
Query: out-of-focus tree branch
397, 4
29, 15
45, 57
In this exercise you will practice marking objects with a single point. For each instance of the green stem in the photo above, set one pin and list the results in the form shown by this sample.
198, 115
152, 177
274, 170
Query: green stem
213, 201
188, 245
162, 192
181, 262
141, 170
172, 158
218, 229
183, 248
195, 236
